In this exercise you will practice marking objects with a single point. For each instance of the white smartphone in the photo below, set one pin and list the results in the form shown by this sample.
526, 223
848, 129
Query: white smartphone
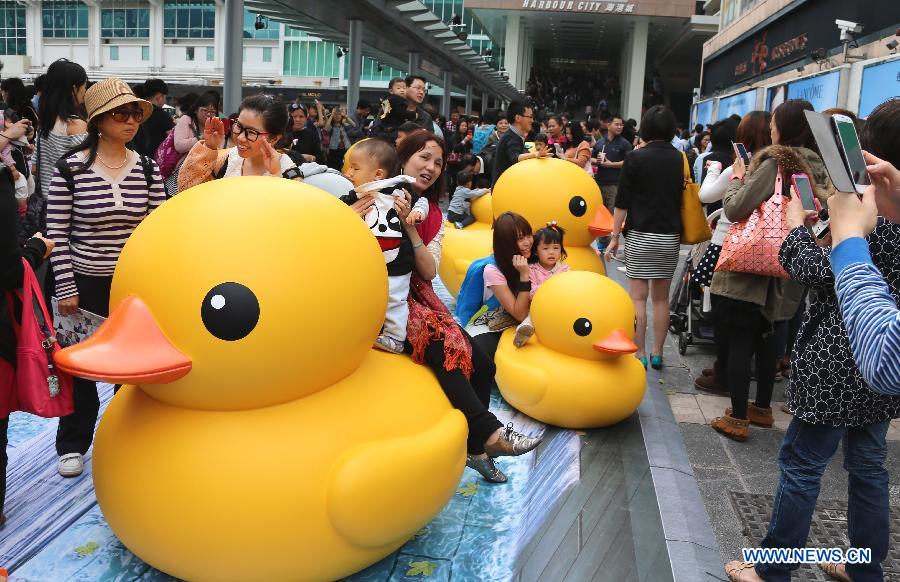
851, 151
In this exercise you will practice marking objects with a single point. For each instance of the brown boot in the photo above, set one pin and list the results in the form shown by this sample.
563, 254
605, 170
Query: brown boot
734, 428
757, 415
710, 384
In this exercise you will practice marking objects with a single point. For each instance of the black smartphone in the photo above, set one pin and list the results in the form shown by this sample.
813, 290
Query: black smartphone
851, 151
740, 150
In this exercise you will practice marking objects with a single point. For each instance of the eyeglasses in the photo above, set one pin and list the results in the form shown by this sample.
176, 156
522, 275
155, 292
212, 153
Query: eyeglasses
206, 110
122, 115
237, 128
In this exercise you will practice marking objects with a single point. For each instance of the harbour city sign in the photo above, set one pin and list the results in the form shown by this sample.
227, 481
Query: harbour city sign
579, 6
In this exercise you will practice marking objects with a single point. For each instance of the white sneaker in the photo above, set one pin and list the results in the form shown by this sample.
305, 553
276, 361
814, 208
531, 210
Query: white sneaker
389, 344
523, 333
71, 465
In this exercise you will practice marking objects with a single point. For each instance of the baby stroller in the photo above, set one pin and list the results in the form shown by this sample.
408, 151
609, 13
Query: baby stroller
687, 318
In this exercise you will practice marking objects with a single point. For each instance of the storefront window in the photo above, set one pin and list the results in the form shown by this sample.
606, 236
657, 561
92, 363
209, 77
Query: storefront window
64, 19
124, 20
12, 28
189, 19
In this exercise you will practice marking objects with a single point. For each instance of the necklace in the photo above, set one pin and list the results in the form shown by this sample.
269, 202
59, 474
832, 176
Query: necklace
125, 161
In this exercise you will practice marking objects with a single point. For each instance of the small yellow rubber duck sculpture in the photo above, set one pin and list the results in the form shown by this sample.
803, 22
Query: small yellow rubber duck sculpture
578, 370
258, 436
542, 191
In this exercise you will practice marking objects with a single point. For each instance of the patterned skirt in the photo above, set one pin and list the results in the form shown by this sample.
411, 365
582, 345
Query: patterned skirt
650, 255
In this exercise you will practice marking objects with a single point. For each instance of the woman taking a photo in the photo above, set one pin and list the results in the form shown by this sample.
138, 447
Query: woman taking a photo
12, 91
556, 134
261, 123
749, 304
338, 140
464, 371
648, 213
304, 140
92, 209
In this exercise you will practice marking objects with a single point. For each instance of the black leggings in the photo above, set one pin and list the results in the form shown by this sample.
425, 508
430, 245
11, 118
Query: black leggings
744, 332
470, 396
76, 431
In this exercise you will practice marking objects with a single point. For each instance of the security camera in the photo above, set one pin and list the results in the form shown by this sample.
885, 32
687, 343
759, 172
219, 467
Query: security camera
848, 29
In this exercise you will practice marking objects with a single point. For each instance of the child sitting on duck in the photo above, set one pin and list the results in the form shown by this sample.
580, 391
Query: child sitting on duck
546, 261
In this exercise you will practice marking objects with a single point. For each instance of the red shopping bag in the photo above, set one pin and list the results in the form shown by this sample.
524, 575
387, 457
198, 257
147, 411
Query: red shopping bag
40, 387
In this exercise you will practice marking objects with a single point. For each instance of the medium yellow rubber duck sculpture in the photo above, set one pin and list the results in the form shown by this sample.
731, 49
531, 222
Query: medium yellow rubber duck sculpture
541, 191
258, 436
578, 370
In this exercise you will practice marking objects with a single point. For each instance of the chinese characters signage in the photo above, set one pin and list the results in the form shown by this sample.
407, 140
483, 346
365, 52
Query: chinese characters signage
579, 6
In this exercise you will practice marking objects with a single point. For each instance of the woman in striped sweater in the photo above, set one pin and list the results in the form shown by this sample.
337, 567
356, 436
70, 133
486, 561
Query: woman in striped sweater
92, 209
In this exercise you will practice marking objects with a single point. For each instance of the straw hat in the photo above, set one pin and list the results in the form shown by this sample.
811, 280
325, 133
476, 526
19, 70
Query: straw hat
109, 94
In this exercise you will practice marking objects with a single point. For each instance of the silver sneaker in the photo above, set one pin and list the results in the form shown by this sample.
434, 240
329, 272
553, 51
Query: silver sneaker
70, 465
523, 334
511, 444
389, 344
486, 467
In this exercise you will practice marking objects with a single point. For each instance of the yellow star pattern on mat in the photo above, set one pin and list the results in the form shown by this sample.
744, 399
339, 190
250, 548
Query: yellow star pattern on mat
469, 489
423, 568
87, 549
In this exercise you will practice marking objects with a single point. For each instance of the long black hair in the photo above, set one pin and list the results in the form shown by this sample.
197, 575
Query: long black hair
90, 144
58, 97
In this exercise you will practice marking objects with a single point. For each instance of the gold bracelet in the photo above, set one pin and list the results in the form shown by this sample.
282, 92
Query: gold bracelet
418, 244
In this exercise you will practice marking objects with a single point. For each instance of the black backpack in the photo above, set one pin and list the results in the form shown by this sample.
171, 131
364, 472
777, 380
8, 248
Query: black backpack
66, 172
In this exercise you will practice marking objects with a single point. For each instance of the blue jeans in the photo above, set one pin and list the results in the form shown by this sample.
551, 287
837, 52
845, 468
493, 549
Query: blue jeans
805, 453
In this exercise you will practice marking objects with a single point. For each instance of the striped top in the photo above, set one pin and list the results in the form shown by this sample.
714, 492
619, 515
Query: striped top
870, 314
91, 227
51, 148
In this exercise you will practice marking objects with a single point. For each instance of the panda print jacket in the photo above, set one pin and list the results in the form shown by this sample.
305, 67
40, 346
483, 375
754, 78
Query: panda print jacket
826, 386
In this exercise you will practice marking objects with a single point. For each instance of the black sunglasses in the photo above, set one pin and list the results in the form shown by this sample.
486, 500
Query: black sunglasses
122, 115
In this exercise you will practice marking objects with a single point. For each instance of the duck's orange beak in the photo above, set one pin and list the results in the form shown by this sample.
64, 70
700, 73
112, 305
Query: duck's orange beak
602, 225
617, 343
129, 348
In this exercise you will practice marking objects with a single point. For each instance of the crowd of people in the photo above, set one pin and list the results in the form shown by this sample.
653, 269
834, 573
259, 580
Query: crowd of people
83, 164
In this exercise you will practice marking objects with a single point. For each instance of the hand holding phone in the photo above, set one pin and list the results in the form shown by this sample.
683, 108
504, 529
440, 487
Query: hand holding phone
851, 151
741, 151
804, 190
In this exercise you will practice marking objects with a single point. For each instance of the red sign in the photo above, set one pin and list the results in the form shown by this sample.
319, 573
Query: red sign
762, 56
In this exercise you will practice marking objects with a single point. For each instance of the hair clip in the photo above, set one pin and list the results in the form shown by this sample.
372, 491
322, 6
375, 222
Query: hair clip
552, 224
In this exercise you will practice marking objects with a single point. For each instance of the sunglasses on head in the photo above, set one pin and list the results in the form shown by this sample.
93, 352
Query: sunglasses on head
295, 106
122, 114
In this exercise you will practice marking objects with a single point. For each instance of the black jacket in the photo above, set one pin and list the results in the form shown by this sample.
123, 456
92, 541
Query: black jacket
11, 254
509, 148
650, 188
153, 131
307, 142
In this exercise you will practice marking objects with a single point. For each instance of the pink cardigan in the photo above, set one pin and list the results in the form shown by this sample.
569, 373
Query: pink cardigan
184, 134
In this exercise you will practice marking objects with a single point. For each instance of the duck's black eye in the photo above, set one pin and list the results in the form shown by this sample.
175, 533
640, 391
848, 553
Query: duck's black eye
230, 311
577, 206
582, 326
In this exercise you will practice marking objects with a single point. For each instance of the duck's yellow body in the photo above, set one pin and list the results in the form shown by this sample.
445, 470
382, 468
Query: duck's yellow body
541, 191
578, 370
260, 436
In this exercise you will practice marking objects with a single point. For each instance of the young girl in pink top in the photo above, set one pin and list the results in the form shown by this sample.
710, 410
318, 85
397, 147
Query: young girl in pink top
547, 261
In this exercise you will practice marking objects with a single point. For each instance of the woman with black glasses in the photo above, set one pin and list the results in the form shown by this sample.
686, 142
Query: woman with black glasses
99, 193
305, 140
261, 123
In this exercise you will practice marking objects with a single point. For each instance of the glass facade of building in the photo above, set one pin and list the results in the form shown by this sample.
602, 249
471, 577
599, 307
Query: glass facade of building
269, 32
12, 28
123, 19
64, 19
307, 57
189, 19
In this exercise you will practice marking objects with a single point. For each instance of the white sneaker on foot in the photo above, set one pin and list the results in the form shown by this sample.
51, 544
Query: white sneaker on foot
389, 344
523, 333
70, 465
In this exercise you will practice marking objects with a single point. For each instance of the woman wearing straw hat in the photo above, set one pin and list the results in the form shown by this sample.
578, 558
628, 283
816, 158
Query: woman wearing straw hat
99, 193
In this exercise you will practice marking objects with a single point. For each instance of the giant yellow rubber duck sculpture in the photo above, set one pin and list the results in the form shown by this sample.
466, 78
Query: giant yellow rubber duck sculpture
541, 191
578, 370
261, 438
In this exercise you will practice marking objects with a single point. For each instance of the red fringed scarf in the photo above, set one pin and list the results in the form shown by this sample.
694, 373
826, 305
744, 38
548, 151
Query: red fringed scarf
429, 318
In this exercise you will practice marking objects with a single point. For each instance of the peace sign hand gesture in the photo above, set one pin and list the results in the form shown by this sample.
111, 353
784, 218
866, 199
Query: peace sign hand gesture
271, 157
214, 133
